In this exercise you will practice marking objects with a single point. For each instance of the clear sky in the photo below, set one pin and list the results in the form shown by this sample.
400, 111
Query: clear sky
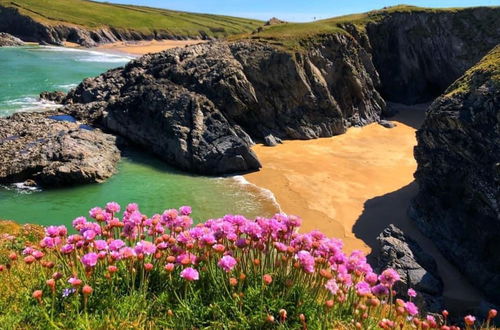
295, 10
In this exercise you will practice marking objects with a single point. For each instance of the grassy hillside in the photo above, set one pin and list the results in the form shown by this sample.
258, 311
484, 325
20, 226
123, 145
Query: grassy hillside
94, 15
293, 35
487, 70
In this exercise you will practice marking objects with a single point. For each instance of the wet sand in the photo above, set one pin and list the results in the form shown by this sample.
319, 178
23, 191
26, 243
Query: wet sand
144, 47
353, 185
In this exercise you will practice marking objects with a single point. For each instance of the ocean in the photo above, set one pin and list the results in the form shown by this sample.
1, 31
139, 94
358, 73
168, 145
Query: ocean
141, 178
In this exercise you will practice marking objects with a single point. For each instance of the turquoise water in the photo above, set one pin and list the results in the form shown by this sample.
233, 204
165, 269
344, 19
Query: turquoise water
25, 72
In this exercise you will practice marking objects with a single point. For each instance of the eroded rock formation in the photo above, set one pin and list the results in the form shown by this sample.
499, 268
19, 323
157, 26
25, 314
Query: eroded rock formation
9, 40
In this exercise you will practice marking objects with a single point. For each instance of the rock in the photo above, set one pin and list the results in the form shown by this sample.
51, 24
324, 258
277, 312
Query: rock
199, 108
417, 269
9, 40
458, 173
50, 152
55, 96
271, 141
274, 21
387, 124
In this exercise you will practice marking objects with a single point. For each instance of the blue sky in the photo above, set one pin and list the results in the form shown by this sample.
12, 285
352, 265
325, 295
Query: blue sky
295, 10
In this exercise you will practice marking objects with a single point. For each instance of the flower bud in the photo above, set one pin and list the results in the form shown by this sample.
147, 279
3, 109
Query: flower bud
233, 281
13, 256
492, 314
267, 279
148, 267
37, 294
87, 289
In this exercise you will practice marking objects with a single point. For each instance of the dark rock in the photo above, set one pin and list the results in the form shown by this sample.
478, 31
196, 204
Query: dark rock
8, 40
46, 152
458, 156
55, 96
200, 107
387, 124
417, 269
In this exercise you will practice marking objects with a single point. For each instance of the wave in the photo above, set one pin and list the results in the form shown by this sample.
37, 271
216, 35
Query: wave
90, 55
9, 107
21, 188
66, 86
268, 194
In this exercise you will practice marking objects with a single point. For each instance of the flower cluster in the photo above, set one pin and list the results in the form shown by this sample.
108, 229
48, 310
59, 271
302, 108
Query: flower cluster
231, 252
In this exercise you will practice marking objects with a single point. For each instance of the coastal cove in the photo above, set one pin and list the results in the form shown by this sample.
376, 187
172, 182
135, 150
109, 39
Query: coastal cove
29, 70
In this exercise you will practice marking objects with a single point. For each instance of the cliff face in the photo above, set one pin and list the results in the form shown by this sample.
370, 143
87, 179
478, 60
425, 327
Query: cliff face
200, 107
419, 54
458, 155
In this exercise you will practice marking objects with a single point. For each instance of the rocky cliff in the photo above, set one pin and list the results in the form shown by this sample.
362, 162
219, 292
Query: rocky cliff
199, 108
458, 155
9, 40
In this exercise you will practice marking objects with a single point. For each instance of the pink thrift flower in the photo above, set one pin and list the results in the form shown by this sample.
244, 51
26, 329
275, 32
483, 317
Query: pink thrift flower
52, 231
332, 286
132, 207
190, 274
412, 293
89, 259
67, 248
306, 261
411, 308
380, 290
116, 245
113, 207
145, 247
101, 245
371, 278
363, 288
185, 210
227, 263
389, 277
469, 320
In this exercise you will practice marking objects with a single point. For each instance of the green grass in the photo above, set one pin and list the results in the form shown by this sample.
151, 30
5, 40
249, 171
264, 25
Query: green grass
96, 15
487, 70
295, 36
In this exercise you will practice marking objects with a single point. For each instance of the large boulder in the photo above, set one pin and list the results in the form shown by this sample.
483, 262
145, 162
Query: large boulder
54, 150
417, 269
458, 155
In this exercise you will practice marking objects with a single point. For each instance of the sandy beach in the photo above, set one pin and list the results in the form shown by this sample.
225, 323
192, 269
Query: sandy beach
353, 185
144, 47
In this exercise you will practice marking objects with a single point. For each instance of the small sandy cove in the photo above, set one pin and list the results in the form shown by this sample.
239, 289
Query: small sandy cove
144, 47
353, 185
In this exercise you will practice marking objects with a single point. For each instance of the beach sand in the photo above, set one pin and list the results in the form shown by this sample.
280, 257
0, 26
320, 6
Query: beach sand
353, 185
144, 47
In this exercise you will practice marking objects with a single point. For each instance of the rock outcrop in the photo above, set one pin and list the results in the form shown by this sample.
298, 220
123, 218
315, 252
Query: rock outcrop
458, 155
9, 40
419, 53
55, 96
200, 107
417, 269
54, 150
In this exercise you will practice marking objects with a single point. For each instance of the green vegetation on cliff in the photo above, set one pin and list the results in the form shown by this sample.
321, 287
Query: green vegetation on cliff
296, 36
487, 70
146, 20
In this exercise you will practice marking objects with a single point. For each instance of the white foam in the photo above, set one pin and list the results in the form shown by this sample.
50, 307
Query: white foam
268, 194
67, 86
31, 103
90, 55
21, 188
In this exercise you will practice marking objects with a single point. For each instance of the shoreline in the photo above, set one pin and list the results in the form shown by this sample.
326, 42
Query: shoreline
139, 48
352, 186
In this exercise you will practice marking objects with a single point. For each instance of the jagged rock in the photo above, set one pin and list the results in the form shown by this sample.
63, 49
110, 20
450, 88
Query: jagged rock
458, 156
417, 269
387, 124
200, 107
274, 21
53, 152
55, 96
271, 141
9, 40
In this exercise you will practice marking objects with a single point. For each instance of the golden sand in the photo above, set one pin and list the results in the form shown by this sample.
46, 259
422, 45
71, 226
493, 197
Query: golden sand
144, 47
353, 185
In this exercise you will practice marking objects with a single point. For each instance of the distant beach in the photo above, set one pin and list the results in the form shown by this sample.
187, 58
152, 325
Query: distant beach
145, 47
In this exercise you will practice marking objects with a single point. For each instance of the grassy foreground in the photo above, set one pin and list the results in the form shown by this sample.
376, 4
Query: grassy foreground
161, 272
146, 20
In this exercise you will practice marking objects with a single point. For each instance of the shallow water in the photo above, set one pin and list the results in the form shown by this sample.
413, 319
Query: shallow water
141, 178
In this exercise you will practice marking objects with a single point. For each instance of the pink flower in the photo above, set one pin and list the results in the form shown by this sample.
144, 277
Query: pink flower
67, 248
113, 207
101, 245
52, 231
89, 259
412, 293
332, 286
363, 288
306, 261
75, 281
145, 247
132, 207
371, 278
469, 320
190, 274
79, 222
227, 263
411, 308
185, 210
380, 290
116, 245
389, 277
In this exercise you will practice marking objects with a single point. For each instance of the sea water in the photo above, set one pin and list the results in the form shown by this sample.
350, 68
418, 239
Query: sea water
141, 178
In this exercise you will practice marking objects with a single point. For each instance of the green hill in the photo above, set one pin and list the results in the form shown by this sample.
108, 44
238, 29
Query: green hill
143, 20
